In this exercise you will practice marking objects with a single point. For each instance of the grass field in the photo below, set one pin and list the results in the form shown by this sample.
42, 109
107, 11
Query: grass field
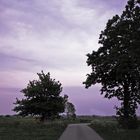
15, 128
108, 129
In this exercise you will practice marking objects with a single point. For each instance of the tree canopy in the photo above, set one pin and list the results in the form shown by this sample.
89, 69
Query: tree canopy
116, 64
42, 98
69, 108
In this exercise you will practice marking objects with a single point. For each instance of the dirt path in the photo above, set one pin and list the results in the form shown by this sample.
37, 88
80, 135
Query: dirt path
79, 132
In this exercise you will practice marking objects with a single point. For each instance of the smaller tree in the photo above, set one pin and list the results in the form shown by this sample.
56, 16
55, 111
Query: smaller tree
42, 98
69, 108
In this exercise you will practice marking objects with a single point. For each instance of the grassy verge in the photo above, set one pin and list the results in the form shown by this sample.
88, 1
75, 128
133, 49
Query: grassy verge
14, 128
108, 129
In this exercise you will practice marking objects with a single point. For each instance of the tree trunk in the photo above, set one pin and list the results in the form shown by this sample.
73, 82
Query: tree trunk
126, 102
43, 117
128, 117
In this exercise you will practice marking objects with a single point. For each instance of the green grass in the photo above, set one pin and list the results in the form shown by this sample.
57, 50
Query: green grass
15, 128
109, 129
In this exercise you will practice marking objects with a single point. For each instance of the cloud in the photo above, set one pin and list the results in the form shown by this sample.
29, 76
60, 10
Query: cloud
88, 102
14, 62
76, 14
53, 35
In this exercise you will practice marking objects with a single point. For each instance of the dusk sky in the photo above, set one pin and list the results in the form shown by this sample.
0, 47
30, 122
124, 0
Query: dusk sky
53, 36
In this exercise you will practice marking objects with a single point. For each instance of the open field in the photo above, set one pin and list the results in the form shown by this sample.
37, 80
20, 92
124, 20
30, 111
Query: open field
15, 128
18, 128
108, 129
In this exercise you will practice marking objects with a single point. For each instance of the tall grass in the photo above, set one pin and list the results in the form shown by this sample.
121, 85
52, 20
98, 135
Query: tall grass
109, 129
16, 128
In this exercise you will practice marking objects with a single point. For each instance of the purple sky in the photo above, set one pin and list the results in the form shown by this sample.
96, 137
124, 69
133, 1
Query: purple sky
54, 36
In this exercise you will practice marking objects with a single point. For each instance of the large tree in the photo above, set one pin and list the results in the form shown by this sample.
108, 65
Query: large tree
42, 98
116, 64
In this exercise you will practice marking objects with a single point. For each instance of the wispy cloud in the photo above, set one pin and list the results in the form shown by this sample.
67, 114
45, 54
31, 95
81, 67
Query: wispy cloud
54, 36
51, 35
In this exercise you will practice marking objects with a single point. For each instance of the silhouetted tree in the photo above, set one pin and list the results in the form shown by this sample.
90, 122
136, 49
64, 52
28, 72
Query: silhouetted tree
116, 64
69, 108
42, 98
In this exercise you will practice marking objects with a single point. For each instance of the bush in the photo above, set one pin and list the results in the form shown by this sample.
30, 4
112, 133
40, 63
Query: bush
130, 123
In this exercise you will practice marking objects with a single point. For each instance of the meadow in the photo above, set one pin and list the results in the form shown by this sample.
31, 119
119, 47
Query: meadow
108, 129
28, 128
18, 128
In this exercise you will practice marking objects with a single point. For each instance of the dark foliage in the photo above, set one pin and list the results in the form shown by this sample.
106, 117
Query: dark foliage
69, 108
42, 98
116, 64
